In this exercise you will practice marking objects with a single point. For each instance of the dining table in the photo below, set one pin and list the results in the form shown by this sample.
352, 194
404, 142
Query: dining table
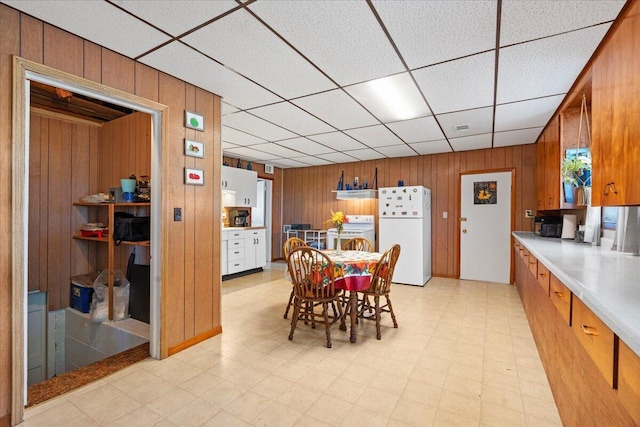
353, 272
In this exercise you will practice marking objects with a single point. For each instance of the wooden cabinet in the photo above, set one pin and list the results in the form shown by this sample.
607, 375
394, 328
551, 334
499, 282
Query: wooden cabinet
109, 210
616, 112
548, 167
543, 278
629, 381
242, 185
561, 298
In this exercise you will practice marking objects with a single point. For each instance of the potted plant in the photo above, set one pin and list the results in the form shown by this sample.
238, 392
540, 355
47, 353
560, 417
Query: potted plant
576, 172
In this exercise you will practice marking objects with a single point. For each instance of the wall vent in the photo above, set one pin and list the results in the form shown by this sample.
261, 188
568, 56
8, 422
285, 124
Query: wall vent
268, 169
460, 128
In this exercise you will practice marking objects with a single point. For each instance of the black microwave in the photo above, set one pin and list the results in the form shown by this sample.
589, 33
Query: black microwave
545, 226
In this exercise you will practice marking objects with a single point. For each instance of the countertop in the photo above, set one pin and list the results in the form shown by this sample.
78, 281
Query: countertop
243, 228
607, 282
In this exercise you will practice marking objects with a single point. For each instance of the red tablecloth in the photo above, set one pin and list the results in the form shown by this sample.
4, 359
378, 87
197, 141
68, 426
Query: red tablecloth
353, 269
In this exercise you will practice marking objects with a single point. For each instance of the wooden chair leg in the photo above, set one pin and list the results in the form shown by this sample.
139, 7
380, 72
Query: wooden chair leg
325, 314
377, 308
296, 315
286, 312
393, 316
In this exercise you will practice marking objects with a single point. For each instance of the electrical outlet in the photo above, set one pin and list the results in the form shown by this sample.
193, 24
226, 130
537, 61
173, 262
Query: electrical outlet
528, 214
177, 214
445, 215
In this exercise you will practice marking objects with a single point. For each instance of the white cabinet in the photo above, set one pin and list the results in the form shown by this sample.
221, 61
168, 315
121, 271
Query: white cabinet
243, 182
223, 253
255, 247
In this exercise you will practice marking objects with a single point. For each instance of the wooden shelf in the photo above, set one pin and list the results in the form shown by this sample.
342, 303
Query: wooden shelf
355, 194
123, 205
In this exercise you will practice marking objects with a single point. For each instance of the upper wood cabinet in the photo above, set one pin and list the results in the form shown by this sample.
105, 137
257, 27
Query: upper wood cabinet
616, 115
548, 167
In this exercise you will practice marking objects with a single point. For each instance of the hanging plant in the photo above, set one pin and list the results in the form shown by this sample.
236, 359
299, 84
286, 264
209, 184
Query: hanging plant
573, 170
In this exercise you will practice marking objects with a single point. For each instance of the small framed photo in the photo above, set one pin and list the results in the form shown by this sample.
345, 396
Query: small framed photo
193, 148
193, 120
193, 176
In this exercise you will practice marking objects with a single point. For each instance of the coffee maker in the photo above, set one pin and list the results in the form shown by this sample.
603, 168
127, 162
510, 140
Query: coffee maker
241, 220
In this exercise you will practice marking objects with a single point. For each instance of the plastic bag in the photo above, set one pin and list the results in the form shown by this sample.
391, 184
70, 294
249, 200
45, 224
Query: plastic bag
99, 310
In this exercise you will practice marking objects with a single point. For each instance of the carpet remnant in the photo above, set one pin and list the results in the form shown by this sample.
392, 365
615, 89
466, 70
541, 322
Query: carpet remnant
69, 381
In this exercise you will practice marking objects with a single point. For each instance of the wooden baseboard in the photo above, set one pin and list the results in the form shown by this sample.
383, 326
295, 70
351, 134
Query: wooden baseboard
195, 340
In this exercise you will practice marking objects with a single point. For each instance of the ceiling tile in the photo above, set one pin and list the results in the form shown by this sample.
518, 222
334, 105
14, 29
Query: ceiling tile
336, 108
343, 38
374, 136
228, 145
427, 32
527, 20
228, 108
479, 120
314, 161
291, 117
417, 130
474, 142
185, 63
397, 151
432, 147
238, 137
366, 154
547, 66
516, 137
306, 146
526, 114
277, 150
249, 154
458, 85
338, 157
257, 126
241, 42
289, 163
391, 98
115, 29
177, 16
337, 141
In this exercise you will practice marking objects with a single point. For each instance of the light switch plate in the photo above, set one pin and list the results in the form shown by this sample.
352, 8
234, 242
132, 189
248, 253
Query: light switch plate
177, 214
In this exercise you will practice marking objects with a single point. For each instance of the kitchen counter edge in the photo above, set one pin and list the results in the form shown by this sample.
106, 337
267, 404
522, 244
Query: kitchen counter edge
606, 281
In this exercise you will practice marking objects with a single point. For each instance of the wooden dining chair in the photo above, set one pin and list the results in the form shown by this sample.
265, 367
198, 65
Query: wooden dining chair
381, 286
358, 244
291, 244
312, 273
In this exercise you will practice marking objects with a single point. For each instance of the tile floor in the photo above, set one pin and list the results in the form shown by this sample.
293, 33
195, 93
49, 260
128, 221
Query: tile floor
463, 355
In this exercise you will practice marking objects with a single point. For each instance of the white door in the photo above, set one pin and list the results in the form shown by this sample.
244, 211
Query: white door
485, 227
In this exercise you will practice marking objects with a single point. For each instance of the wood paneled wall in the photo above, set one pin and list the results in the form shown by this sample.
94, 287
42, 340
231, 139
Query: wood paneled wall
191, 253
308, 196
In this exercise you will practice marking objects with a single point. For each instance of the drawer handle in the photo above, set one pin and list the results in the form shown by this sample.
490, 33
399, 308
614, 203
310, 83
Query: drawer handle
542, 274
590, 330
558, 294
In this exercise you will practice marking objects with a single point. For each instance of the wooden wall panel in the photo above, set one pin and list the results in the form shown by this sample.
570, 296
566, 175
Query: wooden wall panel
55, 258
63, 51
307, 195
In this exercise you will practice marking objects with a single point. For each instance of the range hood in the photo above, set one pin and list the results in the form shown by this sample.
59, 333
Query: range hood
355, 194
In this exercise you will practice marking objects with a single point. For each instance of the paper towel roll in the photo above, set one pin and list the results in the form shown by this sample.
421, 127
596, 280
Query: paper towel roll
568, 226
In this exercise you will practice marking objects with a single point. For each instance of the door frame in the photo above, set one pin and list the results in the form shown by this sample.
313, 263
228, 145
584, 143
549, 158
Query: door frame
513, 211
25, 71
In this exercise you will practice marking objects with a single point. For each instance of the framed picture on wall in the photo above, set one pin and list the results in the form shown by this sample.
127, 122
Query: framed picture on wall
193, 176
193, 148
194, 120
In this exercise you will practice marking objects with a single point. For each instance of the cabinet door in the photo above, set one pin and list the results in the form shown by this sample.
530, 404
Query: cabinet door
246, 188
552, 166
540, 169
615, 110
223, 258
261, 248
250, 251
227, 178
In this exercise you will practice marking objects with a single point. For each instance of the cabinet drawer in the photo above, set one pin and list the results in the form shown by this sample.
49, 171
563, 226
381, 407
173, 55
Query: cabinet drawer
525, 256
236, 243
236, 234
533, 265
629, 381
235, 266
595, 337
543, 278
561, 298
234, 254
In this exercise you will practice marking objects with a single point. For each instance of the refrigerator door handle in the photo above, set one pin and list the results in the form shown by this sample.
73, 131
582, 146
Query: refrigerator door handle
462, 219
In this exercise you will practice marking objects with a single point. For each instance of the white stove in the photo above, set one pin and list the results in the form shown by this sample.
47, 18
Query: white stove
357, 226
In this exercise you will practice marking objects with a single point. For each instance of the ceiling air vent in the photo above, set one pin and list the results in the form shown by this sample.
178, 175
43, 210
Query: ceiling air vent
460, 128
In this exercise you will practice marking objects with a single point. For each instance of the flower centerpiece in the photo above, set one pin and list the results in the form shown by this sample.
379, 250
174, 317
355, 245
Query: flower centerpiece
338, 219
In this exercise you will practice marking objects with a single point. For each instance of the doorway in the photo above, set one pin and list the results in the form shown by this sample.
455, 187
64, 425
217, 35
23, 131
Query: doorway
486, 222
261, 214
25, 72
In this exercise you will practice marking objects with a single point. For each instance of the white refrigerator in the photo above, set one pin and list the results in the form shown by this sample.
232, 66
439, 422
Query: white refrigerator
405, 218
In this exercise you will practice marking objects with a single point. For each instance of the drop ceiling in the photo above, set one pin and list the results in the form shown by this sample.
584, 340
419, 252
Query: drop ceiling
301, 80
